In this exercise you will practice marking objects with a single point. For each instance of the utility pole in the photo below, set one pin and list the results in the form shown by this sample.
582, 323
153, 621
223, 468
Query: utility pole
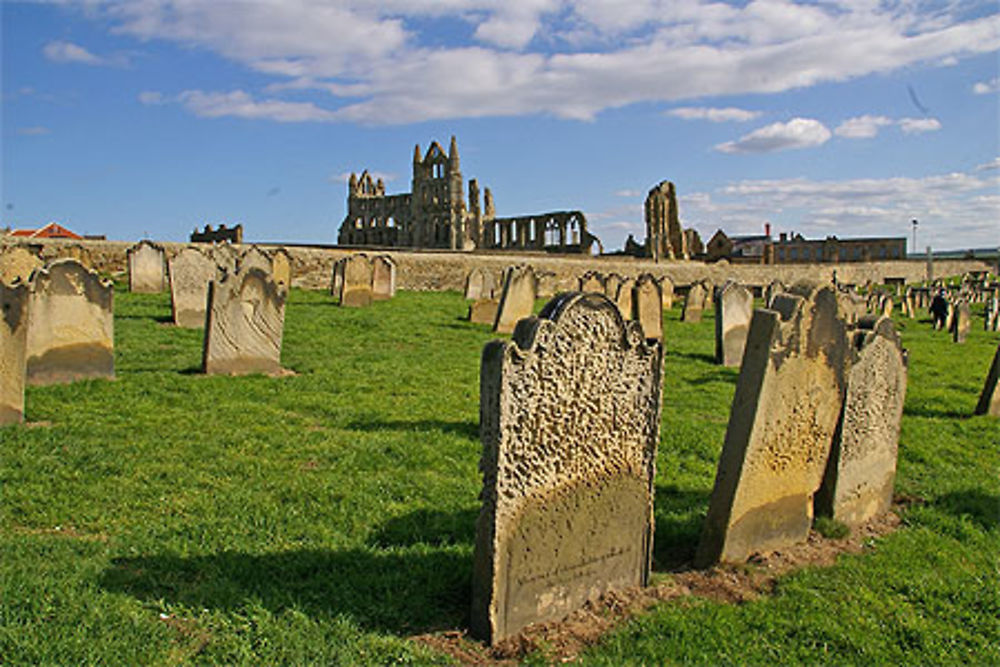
914, 221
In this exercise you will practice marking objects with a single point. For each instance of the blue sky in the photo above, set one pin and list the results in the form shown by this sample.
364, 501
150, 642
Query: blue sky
136, 118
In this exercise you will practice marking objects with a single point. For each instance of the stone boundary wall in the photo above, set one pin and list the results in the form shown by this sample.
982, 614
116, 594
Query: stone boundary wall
443, 270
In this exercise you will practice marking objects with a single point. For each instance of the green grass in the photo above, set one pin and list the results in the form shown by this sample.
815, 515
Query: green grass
325, 517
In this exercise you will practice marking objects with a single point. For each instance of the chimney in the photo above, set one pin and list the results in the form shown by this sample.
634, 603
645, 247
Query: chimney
783, 237
767, 229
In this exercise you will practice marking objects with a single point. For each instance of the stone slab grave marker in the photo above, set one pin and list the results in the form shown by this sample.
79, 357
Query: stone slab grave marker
17, 262
774, 288
592, 281
570, 421
383, 278
13, 348
356, 284
989, 399
693, 303
254, 257
483, 311
147, 268
246, 320
781, 425
225, 256
667, 290
961, 322
70, 325
623, 299
480, 284
611, 284
858, 482
281, 267
191, 271
517, 300
647, 306
337, 277
733, 310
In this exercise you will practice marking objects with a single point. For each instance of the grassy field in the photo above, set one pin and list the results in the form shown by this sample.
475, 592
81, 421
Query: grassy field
168, 517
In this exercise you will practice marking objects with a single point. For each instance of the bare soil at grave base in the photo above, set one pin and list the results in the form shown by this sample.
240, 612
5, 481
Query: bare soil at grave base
563, 640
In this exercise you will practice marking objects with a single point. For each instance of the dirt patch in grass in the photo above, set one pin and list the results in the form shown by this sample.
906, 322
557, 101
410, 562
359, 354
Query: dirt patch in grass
729, 584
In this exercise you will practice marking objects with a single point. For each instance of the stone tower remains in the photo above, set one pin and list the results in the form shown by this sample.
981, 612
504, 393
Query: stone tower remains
664, 237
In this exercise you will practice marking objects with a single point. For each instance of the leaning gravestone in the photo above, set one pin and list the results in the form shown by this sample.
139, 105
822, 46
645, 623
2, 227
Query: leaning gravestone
667, 289
623, 299
147, 268
17, 263
647, 306
733, 310
383, 278
774, 288
517, 300
246, 319
281, 267
693, 303
70, 325
861, 470
989, 400
337, 278
961, 322
781, 425
13, 360
356, 283
190, 273
570, 421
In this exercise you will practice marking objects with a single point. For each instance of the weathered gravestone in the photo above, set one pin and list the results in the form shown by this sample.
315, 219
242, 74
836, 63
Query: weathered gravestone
383, 278
611, 284
517, 300
733, 310
191, 271
225, 256
17, 263
989, 400
281, 267
623, 299
667, 290
337, 277
13, 359
774, 288
851, 306
570, 420
483, 311
592, 282
886, 306
961, 322
480, 284
254, 257
858, 482
693, 303
246, 319
356, 283
147, 268
647, 306
781, 425
70, 325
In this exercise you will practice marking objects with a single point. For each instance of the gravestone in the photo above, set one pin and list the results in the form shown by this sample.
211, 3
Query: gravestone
570, 422
989, 399
781, 426
858, 482
281, 267
611, 284
773, 288
592, 281
70, 325
667, 289
483, 311
480, 284
13, 358
246, 319
961, 322
17, 263
190, 273
886, 306
255, 258
623, 299
337, 279
733, 310
693, 303
517, 300
851, 306
356, 285
647, 306
383, 278
225, 256
147, 268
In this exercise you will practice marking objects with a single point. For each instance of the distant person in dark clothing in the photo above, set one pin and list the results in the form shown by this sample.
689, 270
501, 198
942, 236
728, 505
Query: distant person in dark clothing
939, 310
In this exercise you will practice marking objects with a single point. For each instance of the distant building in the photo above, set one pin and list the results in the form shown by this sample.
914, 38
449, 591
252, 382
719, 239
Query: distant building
223, 233
53, 230
794, 249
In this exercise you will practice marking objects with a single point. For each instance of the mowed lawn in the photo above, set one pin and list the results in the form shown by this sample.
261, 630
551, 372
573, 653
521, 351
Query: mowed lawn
168, 517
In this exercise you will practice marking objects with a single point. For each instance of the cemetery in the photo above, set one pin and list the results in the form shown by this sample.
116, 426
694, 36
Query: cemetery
220, 454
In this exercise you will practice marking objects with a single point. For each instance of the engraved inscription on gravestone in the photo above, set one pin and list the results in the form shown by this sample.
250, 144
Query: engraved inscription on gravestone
190, 273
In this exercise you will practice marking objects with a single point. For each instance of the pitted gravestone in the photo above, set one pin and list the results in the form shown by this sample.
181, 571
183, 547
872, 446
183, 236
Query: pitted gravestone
693, 303
623, 299
281, 267
861, 470
647, 306
225, 256
989, 400
733, 310
570, 421
480, 284
667, 290
254, 257
592, 282
781, 425
190, 274
383, 278
17, 263
246, 319
70, 325
13, 359
356, 285
147, 268
961, 322
483, 311
517, 300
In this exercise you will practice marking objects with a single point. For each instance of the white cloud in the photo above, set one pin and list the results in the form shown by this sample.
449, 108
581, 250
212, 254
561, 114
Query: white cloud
240, 104
993, 164
628, 193
714, 115
919, 125
33, 131
987, 87
68, 52
862, 127
796, 133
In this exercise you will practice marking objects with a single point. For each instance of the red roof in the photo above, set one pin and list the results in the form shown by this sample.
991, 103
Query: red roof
52, 230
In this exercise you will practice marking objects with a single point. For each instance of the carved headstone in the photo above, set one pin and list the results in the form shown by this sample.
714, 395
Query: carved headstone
781, 425
647, 306
667, 290
517, 300
611, 284
773, 288
356, 287
733, 310
70, 325
17, 263
861, 470
693, 303
13, 359
851, 307
623, 299
246, 320
255, 258
337, 279
989, 399
225, 256
190, 273
570, 421
383, 278
281, 267
480, 284
147, 268
961, 322
592, 282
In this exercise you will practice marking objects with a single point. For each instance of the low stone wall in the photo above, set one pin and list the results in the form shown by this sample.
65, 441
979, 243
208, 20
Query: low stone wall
439, 270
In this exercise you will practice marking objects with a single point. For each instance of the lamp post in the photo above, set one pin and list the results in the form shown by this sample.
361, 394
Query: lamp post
915, 223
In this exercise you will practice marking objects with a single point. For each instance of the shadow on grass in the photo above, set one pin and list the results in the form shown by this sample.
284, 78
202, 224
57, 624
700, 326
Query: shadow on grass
982, 508
395, 591
680, 514
932, 413
465, 429
721, 374
695, 356
429, 527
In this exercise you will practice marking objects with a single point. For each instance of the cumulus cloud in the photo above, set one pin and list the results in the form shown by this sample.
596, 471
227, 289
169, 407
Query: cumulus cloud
992, 164
796, 133
714, 115
987, 87
240, 104
68, 52
919, 125
862, 127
